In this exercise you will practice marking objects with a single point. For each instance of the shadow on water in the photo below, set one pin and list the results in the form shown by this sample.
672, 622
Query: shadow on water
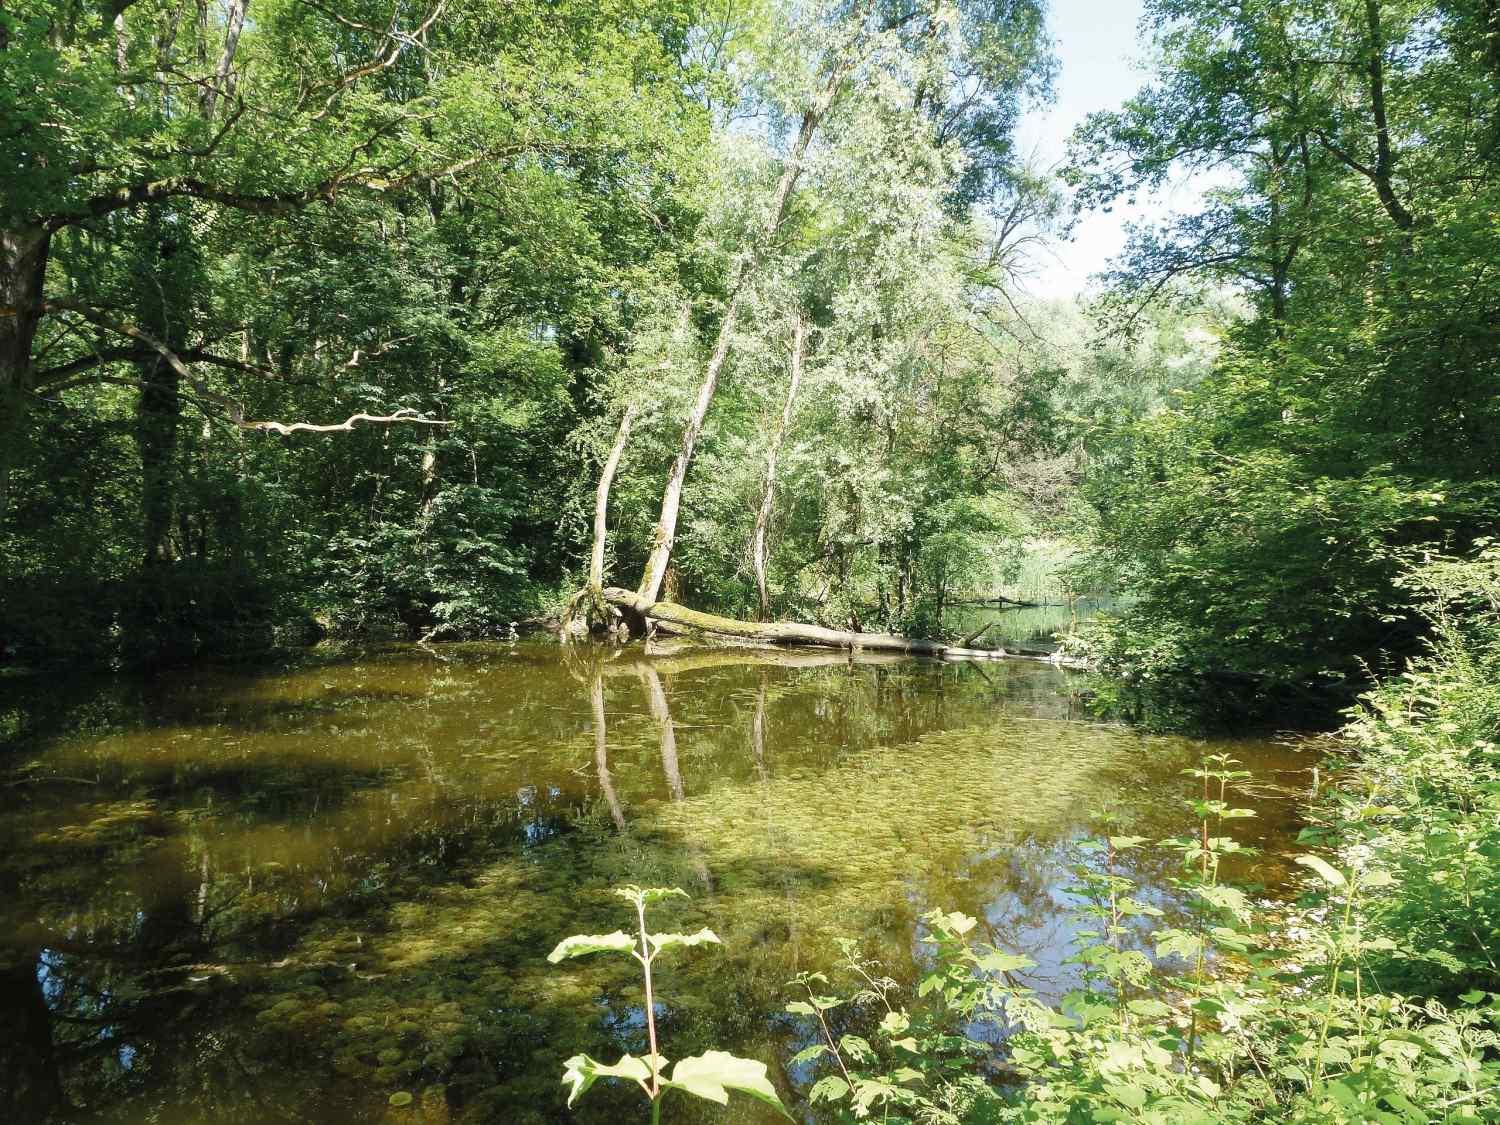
287, 895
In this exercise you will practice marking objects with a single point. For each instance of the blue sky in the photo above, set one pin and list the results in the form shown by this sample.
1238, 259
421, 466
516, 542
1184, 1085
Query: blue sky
1098, 52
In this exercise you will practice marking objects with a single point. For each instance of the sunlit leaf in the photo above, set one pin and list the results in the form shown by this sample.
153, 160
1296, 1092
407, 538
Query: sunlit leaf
580, 1072
829, 1089
580, 944
895, 1023
713, 1074
666, 941
1001, 962
1329, 874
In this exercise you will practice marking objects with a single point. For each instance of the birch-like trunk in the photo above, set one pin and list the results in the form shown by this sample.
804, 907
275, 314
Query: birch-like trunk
768, 489
223, 82
671, 501
601, 499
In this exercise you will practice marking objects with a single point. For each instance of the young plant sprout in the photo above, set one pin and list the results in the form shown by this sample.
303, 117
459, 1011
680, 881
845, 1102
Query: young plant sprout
710, 1075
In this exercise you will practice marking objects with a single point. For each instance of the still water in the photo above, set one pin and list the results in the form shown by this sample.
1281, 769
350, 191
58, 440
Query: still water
287, 894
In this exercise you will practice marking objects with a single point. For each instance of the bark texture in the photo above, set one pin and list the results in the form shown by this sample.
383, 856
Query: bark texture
768, 489
23, 265
601, 498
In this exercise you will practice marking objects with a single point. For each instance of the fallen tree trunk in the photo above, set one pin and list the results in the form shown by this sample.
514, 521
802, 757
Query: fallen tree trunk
670, 617
1000, 600
977, 633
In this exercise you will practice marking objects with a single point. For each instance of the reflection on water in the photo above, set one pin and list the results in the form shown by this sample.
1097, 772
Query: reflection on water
285, 896
1022, 628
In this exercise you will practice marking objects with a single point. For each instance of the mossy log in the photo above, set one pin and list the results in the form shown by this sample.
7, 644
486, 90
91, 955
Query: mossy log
669, 617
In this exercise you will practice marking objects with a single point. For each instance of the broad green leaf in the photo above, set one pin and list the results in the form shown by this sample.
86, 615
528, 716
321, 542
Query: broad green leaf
644, 896
1178, 942
1001, 962
666, 941
828, 1089
580, 1072
857, 1048
1131, 1097
1226, 898
580, 944
895, 1023
713, 1074
1330, 874
801, 1008
807, 1054
872, 1091
959, 923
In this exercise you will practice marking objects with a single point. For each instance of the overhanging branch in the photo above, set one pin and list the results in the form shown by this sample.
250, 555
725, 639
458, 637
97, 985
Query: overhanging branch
233, 409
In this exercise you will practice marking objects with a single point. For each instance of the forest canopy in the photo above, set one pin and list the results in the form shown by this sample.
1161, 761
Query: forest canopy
482, 233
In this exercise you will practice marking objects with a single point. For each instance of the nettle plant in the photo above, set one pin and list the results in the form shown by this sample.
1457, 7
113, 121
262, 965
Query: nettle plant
1238, 1017
923, 1063
710, 1075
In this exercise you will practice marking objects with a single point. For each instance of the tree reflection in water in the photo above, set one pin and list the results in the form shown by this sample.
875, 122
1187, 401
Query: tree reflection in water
285, 896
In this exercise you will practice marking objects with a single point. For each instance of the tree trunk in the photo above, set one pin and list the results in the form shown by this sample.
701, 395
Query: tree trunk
672, 618
222, 83
23, 268
157, 416
1385, 157
666, 524
601, 499
30, 1086
672, 656
768, 490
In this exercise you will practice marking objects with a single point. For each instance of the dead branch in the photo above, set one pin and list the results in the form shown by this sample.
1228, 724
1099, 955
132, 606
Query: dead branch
233, 409
406, 414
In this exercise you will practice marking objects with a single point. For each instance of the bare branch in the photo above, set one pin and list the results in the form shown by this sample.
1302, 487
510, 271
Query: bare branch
406, 414
234, 410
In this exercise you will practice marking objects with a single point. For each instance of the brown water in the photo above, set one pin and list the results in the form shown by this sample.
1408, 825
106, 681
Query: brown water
261, 896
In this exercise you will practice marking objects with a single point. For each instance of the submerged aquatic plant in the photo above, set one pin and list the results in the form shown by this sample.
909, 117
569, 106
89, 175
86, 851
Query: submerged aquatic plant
710, 1075
1275, 1019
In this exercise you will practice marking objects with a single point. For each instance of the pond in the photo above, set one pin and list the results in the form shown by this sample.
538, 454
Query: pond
287, 894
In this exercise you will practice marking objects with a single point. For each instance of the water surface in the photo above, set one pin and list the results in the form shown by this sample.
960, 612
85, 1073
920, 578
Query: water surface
284, 895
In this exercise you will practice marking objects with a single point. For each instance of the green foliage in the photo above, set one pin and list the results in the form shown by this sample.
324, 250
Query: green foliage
1261, 521
711, 1075
511, 218
1430, 810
